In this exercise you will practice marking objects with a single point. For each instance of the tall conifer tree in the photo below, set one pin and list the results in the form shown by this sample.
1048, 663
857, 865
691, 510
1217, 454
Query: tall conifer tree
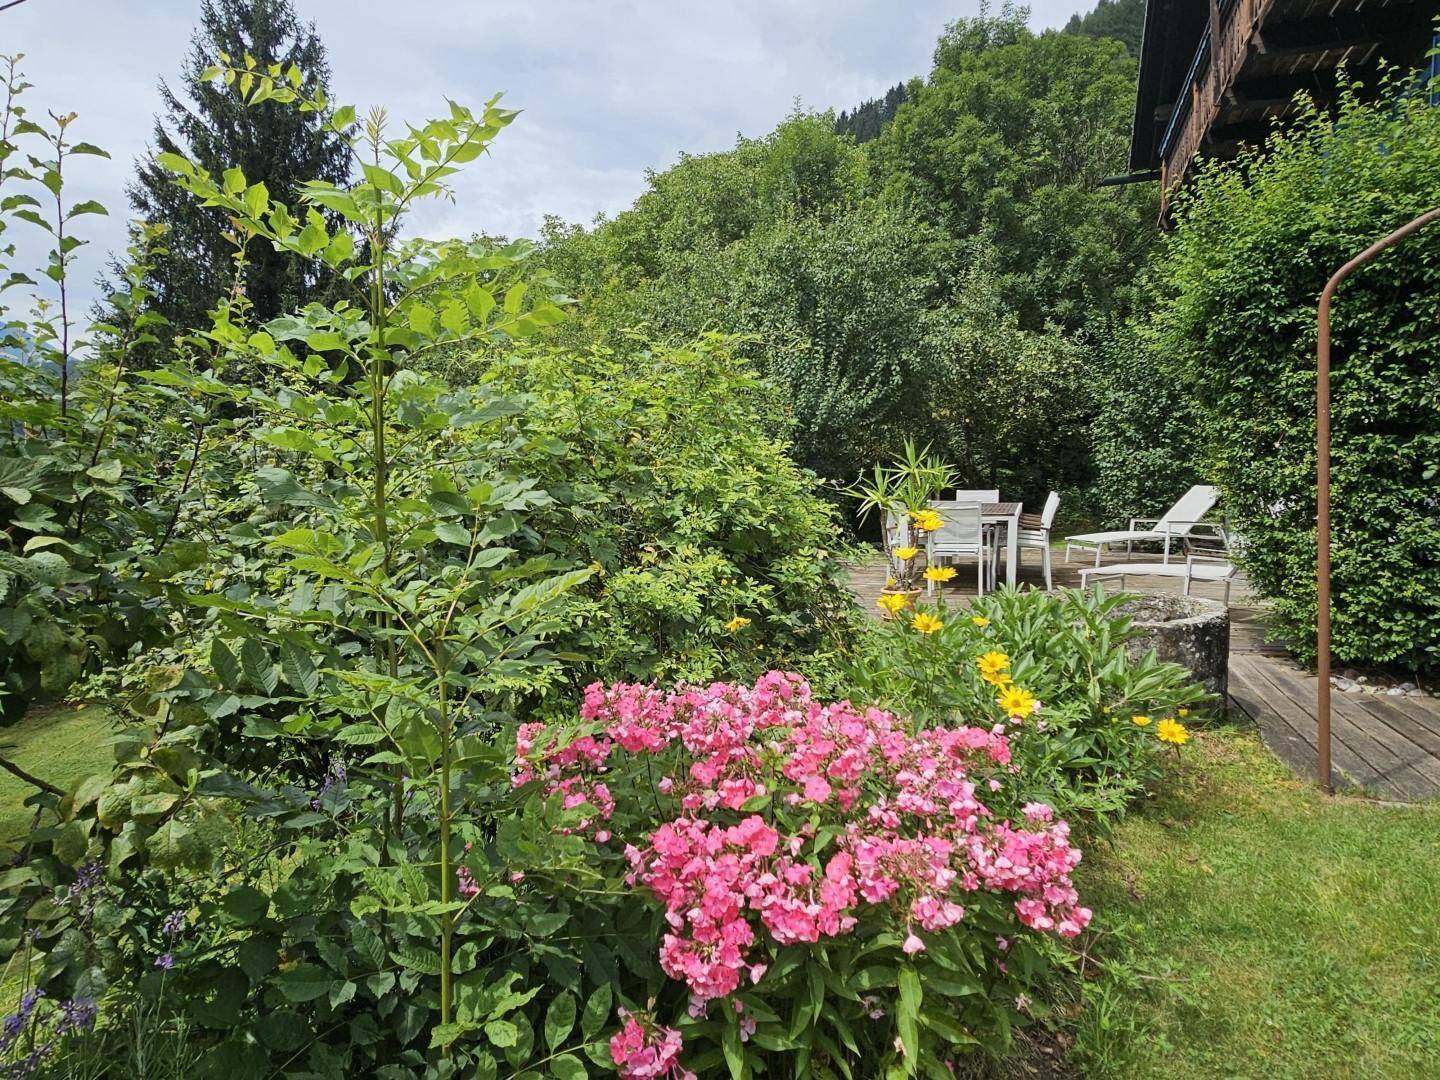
273, 143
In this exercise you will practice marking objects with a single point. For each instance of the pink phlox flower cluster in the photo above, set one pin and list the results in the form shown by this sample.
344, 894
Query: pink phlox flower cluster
912, 831
647, 1053
1036, 865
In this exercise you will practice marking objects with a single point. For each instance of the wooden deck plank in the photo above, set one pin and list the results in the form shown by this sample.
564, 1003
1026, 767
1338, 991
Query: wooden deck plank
1364, 750
1419, 745
1386, 768
1392, 756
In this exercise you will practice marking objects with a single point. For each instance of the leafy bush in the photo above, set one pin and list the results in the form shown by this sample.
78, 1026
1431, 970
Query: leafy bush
1062, 655
1142, 432
713, 552
1241, 277
93, 453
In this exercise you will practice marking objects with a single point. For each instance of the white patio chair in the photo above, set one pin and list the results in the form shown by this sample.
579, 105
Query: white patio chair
1180, 522
897, 528
975, 495
1216, 568
1035, 533
960, 535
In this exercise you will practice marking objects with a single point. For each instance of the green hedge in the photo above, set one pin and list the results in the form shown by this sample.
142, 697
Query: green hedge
1241, 276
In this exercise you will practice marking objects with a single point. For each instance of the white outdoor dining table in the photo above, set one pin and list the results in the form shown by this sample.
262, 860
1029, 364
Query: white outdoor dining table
1006, 514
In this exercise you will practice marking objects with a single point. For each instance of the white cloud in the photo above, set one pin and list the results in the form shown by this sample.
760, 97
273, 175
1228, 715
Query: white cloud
609, 88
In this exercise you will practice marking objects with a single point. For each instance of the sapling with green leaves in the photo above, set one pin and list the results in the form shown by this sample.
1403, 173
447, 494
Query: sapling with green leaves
411, 600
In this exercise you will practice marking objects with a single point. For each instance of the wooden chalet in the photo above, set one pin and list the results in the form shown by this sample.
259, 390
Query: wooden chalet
1215, 74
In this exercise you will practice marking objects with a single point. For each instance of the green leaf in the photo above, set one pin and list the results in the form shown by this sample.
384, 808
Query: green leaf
907, 1015
559, 1020
502, 1033
452, 533
258, 667
325, 340
305, 982
153, 805
427, 963
245, 904
257, 198
233, 181
226, 666
569, 1067
299, 670
597, 1012
421, 318
734, 1050
284, 1030
106, 471
256, 957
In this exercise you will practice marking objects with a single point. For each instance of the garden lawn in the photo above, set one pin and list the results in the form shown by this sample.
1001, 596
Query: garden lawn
1262, 930
59, 744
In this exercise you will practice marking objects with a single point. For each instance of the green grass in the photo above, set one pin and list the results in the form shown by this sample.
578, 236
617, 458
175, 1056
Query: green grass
1258, 929
58, 744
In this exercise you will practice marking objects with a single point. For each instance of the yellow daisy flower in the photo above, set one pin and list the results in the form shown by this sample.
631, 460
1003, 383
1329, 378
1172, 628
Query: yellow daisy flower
1172, 731
1017, 702
1183, 713
980, 620
927, 520
992, 664
906, 553
926, 623
739, 622
891, 602
1140, 721
940, 573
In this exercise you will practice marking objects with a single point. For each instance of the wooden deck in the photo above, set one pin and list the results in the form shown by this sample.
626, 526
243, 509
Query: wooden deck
1386, 746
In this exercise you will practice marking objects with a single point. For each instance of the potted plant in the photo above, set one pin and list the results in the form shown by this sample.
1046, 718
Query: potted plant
901, 494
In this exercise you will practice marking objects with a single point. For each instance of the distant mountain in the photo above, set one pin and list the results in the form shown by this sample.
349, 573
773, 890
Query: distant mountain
867, 119
1122, 20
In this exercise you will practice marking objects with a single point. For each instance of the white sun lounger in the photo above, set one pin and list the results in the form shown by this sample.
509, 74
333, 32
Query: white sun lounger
1194, 568
1178, 523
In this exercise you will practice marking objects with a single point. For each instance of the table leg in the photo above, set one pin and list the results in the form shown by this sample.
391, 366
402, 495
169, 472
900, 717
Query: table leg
1012, 549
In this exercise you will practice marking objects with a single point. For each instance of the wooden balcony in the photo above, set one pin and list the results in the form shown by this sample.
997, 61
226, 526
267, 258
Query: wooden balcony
1254, 56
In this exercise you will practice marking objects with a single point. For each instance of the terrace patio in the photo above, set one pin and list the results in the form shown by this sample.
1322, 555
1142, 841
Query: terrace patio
1385, 745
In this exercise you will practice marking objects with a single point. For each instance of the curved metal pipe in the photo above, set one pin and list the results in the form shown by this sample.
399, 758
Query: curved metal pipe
1322, 485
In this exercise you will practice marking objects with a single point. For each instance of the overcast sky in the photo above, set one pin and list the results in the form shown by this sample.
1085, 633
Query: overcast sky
609, 88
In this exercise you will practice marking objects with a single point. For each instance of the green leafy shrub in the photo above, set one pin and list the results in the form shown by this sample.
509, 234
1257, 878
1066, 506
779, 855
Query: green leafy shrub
714, 554
1240, 280
1142, 432
92, 450
1080, 750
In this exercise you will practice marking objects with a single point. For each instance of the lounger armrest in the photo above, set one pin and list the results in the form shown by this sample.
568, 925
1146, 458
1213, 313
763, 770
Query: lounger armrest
1173, 527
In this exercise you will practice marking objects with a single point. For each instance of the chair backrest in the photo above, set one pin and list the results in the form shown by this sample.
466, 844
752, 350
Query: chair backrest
897, 528
1190, 508
1047, 516
959, 529
975, 495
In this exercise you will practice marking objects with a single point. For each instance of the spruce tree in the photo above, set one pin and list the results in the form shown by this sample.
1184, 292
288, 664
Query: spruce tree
272, 142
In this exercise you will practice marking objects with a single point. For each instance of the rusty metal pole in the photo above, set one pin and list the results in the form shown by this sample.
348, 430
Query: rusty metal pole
1322, 486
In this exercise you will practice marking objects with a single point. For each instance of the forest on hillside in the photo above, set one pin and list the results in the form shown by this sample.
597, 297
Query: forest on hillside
938, 265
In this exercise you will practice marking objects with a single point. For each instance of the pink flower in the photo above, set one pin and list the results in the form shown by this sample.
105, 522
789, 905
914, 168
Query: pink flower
642, 1052
894, 819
